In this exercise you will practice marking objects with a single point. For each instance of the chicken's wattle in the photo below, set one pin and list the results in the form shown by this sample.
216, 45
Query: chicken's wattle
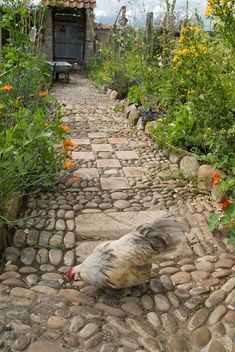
69, 273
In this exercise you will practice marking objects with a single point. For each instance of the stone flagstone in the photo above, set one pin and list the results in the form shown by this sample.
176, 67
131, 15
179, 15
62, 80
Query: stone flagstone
45, 346
133, 171
81, 141
102, 147
97, 135
112, 225
114, 183
126, 155
87, 172
83, 156
118, 140
108, 163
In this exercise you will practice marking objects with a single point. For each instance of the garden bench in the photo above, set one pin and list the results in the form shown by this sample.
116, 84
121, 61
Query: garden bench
58, 67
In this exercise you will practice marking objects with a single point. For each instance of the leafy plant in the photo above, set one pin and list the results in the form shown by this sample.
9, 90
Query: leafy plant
136, 95
223, 14
30, 126
226, 193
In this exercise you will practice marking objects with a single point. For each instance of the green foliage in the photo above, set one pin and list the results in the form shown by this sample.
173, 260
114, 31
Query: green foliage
28, 77
22, 23
102, 68
222, 14
120, 66
29, 119
226, 192
136, 95
189, 78
27, 151
197, 92
119, 107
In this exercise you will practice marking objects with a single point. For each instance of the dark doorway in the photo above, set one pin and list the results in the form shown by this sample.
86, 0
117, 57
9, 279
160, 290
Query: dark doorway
69, 36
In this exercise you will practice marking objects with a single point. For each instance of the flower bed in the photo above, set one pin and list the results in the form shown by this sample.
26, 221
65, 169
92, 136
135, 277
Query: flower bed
30, 121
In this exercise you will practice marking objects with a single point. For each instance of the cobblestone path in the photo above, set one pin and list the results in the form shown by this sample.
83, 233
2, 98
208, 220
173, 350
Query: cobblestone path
189, 305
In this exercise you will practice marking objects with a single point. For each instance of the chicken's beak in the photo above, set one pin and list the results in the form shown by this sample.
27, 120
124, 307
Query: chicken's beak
77, 277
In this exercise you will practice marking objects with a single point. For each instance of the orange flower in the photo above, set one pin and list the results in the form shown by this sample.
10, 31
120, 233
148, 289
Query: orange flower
6, 88
68, 143
69, 165
225, 203
46, 125
42, 93
66, 128
138, 44
74, 179
216, 179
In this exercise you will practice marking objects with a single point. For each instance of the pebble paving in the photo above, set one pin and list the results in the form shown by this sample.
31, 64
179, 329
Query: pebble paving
188, 305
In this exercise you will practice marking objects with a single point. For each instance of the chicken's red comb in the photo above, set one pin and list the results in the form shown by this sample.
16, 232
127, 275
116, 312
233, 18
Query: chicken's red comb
69, 273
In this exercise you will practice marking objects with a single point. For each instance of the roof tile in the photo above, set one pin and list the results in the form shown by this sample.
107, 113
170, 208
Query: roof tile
80, 4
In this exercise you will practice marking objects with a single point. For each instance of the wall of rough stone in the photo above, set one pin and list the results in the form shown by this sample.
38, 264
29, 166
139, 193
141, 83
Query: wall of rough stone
103, 36
47, 41
90, 39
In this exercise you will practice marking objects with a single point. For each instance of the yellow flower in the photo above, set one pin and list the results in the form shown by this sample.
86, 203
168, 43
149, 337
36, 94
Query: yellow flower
208, 11
175, 58
199, 49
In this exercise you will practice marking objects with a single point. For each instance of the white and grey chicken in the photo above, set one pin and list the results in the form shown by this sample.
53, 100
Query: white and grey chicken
128, 261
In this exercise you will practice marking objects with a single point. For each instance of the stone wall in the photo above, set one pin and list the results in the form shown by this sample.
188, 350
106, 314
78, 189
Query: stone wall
47, 42
90, 40
103, 35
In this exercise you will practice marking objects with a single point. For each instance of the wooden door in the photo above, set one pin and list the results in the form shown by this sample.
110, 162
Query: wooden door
68, 41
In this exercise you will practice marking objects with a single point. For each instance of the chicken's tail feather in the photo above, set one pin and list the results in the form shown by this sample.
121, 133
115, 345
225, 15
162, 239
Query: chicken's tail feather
161, 234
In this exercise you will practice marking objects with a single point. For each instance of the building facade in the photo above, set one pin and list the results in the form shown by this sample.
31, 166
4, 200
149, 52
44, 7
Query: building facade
68, 31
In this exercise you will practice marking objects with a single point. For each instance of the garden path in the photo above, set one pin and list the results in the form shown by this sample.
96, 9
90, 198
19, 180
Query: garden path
189, 305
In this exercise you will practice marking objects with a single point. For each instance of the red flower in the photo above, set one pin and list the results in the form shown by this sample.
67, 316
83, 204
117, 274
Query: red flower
216, 179
225, 203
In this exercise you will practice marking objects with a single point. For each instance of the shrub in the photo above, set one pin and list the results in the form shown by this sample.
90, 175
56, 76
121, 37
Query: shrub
197, 97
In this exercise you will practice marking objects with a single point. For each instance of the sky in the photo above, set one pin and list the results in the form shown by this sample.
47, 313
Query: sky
106, 10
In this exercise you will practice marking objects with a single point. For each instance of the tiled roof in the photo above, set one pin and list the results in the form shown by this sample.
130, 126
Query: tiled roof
80, 4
